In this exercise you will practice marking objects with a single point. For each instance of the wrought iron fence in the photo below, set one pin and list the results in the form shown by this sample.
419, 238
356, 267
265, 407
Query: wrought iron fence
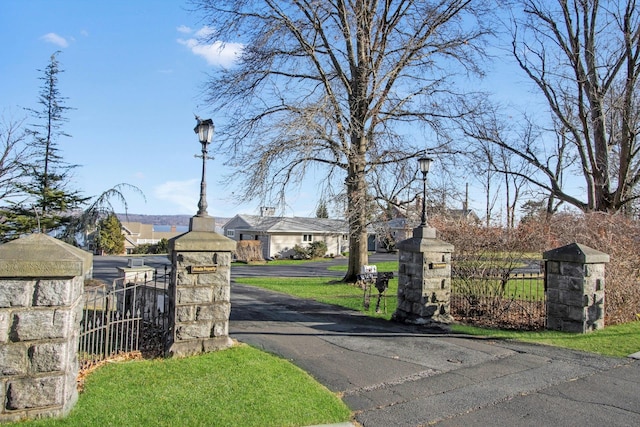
515, 301
124, 317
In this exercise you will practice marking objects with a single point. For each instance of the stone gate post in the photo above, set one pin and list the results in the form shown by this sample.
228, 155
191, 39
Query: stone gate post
574, 282
200, 290
424, 279
41, 295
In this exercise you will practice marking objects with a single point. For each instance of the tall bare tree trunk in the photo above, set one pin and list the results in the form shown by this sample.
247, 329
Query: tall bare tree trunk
357, 214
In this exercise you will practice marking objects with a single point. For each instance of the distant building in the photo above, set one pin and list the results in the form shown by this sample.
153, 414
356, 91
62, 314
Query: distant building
136, 233
278, 235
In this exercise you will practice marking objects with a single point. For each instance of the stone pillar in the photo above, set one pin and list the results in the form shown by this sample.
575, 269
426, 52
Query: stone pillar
200, 290
574, 283
41, 295
424, 279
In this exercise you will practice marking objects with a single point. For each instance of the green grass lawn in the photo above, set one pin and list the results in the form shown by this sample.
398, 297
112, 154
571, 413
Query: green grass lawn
327, 290
241, 386
617, 341
279, 262
381, 266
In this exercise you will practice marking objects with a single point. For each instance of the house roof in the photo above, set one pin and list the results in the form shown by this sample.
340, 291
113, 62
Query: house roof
271, 224
143, 231
134, 231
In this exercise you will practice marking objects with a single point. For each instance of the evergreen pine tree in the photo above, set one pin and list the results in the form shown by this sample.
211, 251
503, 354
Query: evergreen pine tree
110, 239
322, 211
45, 203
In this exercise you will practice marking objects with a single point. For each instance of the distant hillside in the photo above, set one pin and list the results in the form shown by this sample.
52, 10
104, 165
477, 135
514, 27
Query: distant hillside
177, 220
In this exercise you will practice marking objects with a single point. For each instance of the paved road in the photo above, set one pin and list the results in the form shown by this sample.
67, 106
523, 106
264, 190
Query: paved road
400, 375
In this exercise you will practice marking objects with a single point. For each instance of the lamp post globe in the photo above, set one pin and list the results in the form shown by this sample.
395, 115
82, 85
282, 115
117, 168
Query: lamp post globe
424, 163
204, 129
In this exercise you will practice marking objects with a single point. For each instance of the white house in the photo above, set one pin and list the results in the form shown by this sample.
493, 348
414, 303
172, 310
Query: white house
279, 235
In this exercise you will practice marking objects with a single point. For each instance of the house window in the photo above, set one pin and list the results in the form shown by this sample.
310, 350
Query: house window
231, 233
307, 238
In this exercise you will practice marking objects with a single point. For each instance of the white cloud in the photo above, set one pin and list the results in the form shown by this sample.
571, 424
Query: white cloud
53, 38
217, 53
184, 29
183, 194
204, 32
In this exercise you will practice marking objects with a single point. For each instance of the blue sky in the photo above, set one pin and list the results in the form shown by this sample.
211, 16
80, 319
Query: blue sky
133, 72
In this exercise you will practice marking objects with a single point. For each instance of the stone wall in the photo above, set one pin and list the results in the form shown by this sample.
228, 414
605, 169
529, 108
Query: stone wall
574, 279
41, 289
201, 293
424, 279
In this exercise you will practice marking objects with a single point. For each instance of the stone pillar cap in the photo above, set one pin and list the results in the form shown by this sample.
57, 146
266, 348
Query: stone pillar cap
40, 255
201, 241
578, 253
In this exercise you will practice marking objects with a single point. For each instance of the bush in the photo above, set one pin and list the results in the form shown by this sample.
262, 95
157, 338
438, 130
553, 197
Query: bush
481, 250
249, 250
316, 249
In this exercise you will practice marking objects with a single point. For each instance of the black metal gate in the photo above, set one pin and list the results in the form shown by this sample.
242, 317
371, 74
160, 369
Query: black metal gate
124, 317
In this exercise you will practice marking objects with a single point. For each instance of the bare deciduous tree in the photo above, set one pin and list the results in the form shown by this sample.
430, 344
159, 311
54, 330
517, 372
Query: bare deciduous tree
13, 154
584, 57
337, 84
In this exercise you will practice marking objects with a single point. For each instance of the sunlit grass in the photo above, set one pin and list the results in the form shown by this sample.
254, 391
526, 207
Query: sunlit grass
241, 386
329, 291
617, 341
381, 266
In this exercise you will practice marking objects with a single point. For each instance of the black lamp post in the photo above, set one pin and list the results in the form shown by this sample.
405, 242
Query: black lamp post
204, 129
425, 164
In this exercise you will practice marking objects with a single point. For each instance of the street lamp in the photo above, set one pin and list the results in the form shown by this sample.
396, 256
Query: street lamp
425, 164
204, 129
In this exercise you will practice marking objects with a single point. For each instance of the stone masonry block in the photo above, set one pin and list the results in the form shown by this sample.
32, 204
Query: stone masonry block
185, 314
571, 269
220, 329
576, 327
576, 314
4, 325
405, 257
40, 324
222, 293
554, 323
194, 295
573, 299
48, 357
213, 312
53, 292
34, 393
16, 293
191, 331
197, 258
216, 279
183, 278
13, 359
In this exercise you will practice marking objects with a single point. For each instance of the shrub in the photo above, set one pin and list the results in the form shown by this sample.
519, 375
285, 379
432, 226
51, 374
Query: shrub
481, 250
249, 250
316, 249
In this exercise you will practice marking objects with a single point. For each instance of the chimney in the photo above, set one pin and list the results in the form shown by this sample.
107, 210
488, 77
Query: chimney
465, 205
267, 211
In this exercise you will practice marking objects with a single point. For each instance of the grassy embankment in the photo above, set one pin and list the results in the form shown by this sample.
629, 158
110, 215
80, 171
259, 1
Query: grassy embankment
240, 386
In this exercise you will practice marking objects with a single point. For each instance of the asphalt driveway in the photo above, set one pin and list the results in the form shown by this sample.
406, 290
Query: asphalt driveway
398, 375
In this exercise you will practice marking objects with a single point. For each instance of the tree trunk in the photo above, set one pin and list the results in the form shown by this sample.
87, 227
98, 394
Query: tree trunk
357, 214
